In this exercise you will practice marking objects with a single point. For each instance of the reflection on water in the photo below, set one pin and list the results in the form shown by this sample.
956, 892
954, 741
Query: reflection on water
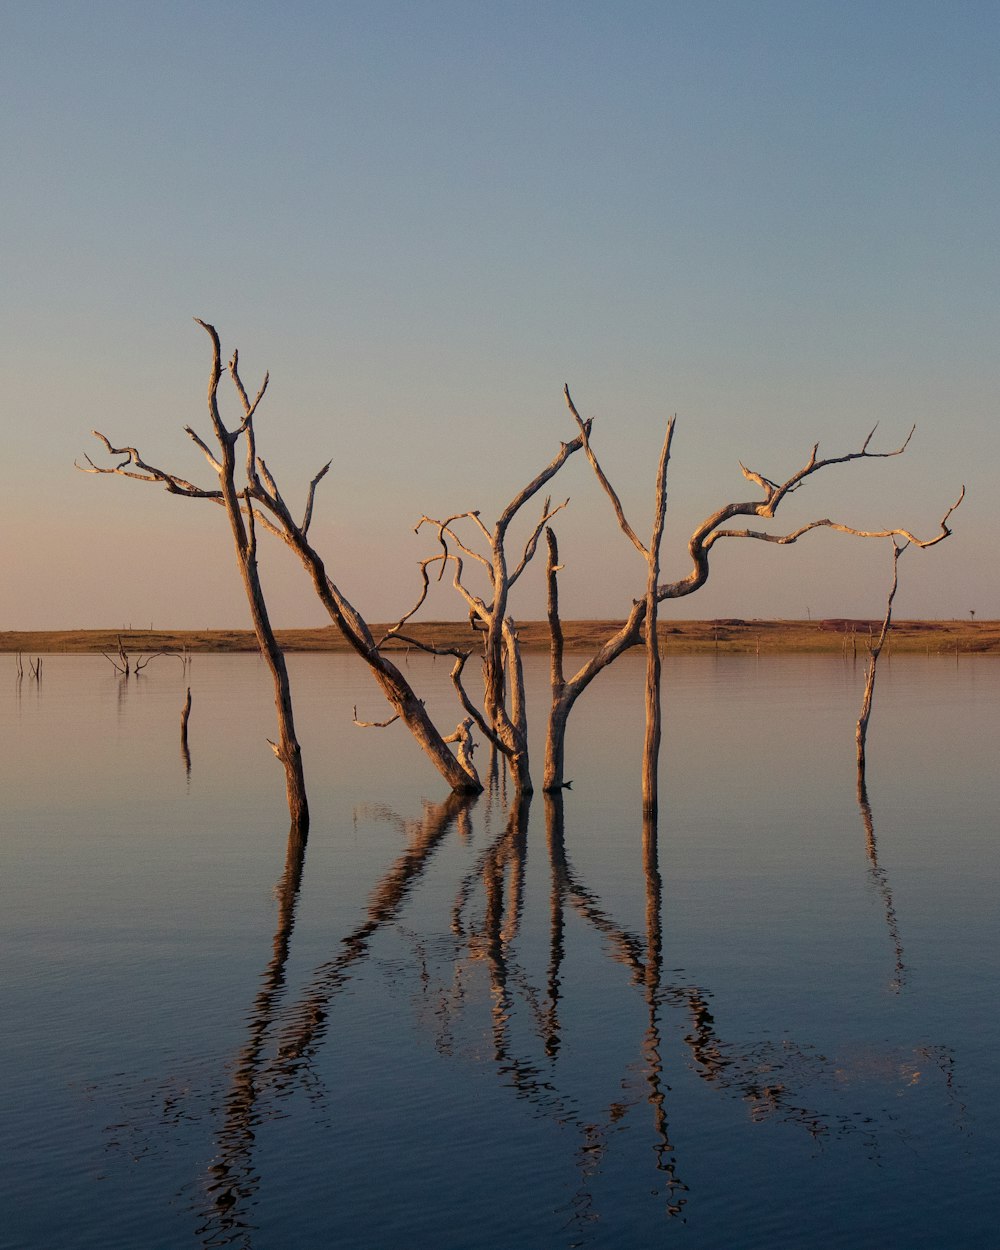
233, 1180
472, 1027
881, 880
285, 1040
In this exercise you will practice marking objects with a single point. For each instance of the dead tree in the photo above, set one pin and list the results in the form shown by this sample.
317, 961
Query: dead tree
260, 502
651, 554
504, 720
235, 500
703, 539
861, 733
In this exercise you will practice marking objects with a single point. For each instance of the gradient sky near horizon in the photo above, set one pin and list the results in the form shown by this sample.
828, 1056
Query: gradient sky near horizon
774, 218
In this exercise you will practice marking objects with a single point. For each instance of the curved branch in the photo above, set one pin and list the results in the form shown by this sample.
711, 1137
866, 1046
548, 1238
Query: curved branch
710, 530
445, 527
535, 485
225, 437
311, 495
374, 724
147, 472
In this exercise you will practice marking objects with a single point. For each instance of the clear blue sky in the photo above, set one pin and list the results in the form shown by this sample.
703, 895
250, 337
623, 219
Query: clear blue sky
774, 218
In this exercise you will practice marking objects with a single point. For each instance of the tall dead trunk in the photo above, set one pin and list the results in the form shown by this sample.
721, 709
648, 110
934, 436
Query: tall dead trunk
651, 745
861, 732
287, 747
565, 692
260, 502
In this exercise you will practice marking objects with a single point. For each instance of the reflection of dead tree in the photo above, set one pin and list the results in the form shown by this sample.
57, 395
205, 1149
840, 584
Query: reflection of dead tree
874, 652
307, 1020
766, 1076
501, 919
505, 720
646, 961
501, 871
703, 539
233, 1178
652, 1044
881, 879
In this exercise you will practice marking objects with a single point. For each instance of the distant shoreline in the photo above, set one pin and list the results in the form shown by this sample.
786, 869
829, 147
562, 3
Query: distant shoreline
840, 635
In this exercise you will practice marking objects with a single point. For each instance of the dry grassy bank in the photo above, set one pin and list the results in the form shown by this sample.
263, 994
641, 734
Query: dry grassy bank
679, 637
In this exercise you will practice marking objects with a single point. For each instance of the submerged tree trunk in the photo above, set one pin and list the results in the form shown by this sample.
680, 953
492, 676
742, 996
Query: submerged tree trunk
700, 544
287, 747
861, 733
651, 745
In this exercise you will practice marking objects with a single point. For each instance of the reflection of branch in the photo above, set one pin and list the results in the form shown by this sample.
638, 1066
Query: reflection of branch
501, 921
307, 1020
881, 879
555, 836
626, 947
185, 717
768, 1077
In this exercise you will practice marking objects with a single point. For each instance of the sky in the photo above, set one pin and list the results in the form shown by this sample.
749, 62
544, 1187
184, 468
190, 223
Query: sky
774, 219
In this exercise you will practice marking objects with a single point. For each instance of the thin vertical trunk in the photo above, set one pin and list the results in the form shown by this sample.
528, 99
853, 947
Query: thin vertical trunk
651, 745
287, 747
861, 732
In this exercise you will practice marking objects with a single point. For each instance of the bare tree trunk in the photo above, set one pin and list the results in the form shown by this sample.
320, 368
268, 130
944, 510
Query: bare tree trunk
555, 739
261, 501
651, 745
566, 692
287, 747
861, 733
700, 544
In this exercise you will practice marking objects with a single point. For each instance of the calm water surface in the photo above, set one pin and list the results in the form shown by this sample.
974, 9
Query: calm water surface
771, 1021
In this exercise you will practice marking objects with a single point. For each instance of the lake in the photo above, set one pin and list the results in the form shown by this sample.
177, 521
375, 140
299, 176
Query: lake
771, 1021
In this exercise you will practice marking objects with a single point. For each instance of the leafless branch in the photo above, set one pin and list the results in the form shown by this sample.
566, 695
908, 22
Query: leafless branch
375, 724
311, 495
548, 512
783, 539
609, 490
711, 529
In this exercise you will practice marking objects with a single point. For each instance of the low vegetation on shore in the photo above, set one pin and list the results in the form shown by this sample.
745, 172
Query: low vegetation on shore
679, 637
